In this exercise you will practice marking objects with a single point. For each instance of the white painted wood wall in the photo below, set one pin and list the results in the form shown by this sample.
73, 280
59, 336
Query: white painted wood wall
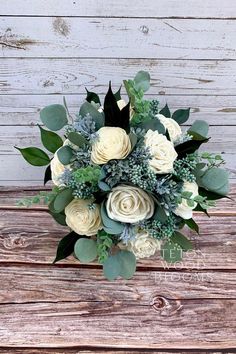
51, 48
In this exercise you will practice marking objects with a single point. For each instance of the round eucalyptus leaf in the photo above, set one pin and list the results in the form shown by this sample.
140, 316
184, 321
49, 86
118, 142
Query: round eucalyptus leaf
104, 186
54, 117
216, 180
200, 127
111, 226
65, 154
63, 198
112, 267
85, 250
142, 80
127, 264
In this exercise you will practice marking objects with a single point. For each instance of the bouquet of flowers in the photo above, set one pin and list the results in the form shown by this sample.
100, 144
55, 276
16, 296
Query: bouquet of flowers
126, 177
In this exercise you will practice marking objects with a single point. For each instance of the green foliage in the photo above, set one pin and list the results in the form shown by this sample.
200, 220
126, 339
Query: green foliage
181, 115
142, 81
77, 139
60, 218
47, 175
212, 160
51, 141
181, 241
192, 225
104, 244
65, 155
215, 180
121, 264
89, 174
88, 108
34, 156
54, 117
110, 226
66, 246
62, 199
43, 197
199, 128
85, 250
165, 111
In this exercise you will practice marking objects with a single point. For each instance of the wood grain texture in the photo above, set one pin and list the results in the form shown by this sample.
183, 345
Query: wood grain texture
168, 77
157, 323
24, 110
104, 8
35, 236
117, 38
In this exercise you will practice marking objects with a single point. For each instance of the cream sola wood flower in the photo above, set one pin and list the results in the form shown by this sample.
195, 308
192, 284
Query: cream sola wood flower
129, 204
57, 168
162, 151
83, 217
183, 209
142, 245
172, 126
111, 143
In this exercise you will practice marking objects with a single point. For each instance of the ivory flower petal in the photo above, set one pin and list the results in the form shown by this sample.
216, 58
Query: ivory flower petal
143, 245
183, 209
82, 218
162, 151
171, 125
112, 143
129, 204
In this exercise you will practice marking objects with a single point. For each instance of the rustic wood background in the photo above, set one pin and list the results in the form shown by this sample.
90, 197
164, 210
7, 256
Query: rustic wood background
51, 48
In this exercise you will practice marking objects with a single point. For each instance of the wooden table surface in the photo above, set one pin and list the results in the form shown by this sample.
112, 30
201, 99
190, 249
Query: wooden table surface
71, 308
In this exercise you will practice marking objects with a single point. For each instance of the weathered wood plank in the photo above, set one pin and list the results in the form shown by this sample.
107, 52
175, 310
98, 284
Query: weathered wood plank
24, 109
29, 236
222, 139
157, 323
103, 8
55, 76
64, 285
104, 351
72, 37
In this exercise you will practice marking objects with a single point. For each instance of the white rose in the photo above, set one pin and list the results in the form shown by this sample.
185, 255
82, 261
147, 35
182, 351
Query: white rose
112, 143
162, 151
183, 209
172, 126
143, 245
129, 204
83, 217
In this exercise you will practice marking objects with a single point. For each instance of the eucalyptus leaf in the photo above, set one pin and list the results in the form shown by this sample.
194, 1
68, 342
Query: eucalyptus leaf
165, 111
51, 141
112, 267
142, 81
60, 218
181, 115
160, 214
153, 124
54, 117
199, 127
181, 241
216, 180
34, 156
63, 198
112, 227
98, 117
86, 250
65, 154
127, 264
77, 139
104, 186
133, 139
